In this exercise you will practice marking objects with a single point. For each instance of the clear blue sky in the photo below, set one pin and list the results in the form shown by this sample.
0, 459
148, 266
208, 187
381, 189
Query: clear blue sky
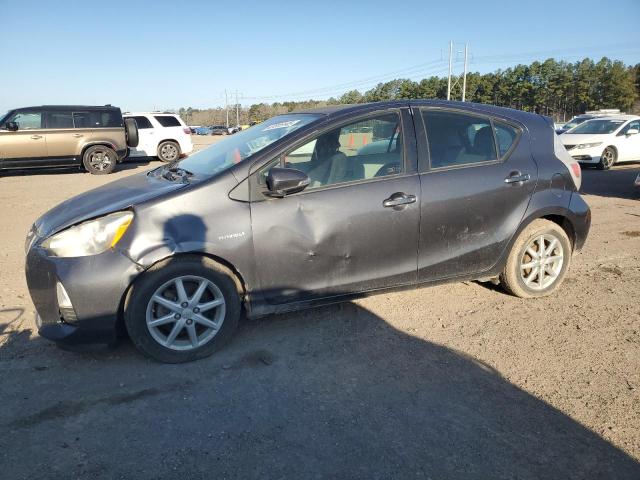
142, 55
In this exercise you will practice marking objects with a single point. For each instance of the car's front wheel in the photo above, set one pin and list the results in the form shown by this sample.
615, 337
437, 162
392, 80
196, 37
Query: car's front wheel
608, 158
538, 260
168, 151
182, 309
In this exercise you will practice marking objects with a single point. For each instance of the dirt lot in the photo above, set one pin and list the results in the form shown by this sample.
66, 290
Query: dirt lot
456, 381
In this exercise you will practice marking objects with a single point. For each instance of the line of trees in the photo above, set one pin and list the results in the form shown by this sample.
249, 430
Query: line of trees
556, 88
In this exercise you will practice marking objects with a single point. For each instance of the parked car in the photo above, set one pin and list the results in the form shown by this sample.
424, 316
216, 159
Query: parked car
173, 255
604, 141
218, 130
94, 138
162, 135
578, 119
203, 131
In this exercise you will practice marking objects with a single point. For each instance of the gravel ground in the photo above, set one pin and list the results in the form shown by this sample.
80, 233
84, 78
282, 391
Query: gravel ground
455, 381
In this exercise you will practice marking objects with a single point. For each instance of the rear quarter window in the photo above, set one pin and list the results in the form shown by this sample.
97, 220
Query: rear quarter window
505, 136
105, 118
142, 122
168, 121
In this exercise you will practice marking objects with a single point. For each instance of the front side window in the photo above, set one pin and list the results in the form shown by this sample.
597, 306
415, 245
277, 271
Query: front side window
142, 122
168, 121
27, 120
458, 138
635, 125
362, 150
60, 120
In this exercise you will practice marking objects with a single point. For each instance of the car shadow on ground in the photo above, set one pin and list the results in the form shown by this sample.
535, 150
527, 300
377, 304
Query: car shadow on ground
616, 182
332, 392
128, 164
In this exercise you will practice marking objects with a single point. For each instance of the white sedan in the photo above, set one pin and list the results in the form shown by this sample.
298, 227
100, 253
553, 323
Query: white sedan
604, 141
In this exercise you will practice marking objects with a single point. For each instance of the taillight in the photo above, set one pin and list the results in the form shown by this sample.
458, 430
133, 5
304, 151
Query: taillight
576, 169
187, 130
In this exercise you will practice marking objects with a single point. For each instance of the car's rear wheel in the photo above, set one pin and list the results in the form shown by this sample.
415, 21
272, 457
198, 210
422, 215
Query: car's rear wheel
538, 260
99, 160
183, 309
608, 158
168, 151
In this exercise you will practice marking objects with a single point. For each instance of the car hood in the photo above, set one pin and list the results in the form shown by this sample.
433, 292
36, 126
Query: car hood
109, 198
576, 139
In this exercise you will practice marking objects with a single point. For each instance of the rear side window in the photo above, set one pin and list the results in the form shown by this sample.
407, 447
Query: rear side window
82, 119
505, 136
142, 122
59, 120
168, 121
458, 138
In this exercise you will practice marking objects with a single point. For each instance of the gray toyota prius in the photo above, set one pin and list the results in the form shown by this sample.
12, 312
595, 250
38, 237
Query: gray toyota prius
306, 208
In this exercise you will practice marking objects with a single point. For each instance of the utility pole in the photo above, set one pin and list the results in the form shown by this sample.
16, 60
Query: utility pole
237, 109
450, 60
464, 81
226, 105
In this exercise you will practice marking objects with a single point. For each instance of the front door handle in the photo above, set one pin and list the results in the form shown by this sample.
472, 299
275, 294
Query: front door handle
36, 137
517, 177
398, 199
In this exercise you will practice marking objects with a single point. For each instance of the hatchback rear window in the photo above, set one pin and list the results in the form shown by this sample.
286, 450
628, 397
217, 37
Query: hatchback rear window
168, 121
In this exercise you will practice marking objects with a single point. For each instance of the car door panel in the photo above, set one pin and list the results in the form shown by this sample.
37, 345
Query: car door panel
26, 147
629, 145
470, 213
341, 238
335, 241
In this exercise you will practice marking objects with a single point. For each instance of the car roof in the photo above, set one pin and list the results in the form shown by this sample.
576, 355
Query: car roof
132, 114
617, 117
350, 109
69, 107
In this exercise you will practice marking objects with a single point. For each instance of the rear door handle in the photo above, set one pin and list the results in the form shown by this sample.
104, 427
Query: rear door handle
517, 177
78, 135
399, 199
36, 137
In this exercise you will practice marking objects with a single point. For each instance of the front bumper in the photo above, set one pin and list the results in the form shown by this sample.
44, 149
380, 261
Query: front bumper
586, 155
95, 286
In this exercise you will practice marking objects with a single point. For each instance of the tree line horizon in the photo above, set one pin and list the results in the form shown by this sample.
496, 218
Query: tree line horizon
558, 89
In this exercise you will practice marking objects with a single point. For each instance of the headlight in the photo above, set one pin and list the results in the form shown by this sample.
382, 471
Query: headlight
89, 238
588, 145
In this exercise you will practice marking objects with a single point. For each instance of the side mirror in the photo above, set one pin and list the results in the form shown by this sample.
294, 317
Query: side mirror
11, 126
632, 131
285, 181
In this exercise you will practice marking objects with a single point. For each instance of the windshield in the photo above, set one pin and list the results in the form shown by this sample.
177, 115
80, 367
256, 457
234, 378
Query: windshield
576, 121
234, 149
3, 116
595, 127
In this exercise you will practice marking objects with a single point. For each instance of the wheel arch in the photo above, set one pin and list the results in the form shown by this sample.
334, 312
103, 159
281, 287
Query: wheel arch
236, 276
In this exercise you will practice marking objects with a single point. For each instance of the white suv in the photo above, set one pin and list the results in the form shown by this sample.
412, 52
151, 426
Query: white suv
162, 135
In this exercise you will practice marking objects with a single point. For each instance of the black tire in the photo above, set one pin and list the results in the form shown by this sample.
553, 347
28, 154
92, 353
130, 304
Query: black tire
169, 151
608, 158
99, 160
512, 276
139, 304
131, 132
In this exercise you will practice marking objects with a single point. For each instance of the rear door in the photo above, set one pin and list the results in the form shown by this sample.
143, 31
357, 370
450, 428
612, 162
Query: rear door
147, 139
355, 227
26, 147
64, 141
477, 176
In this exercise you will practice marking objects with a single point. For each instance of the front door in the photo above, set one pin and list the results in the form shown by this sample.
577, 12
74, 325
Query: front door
355, 227
629, 144
476, 186
26, 147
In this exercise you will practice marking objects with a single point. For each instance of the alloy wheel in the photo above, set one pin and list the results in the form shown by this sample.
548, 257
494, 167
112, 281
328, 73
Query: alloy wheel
169, 152
541, 262
100, 160
185, 313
